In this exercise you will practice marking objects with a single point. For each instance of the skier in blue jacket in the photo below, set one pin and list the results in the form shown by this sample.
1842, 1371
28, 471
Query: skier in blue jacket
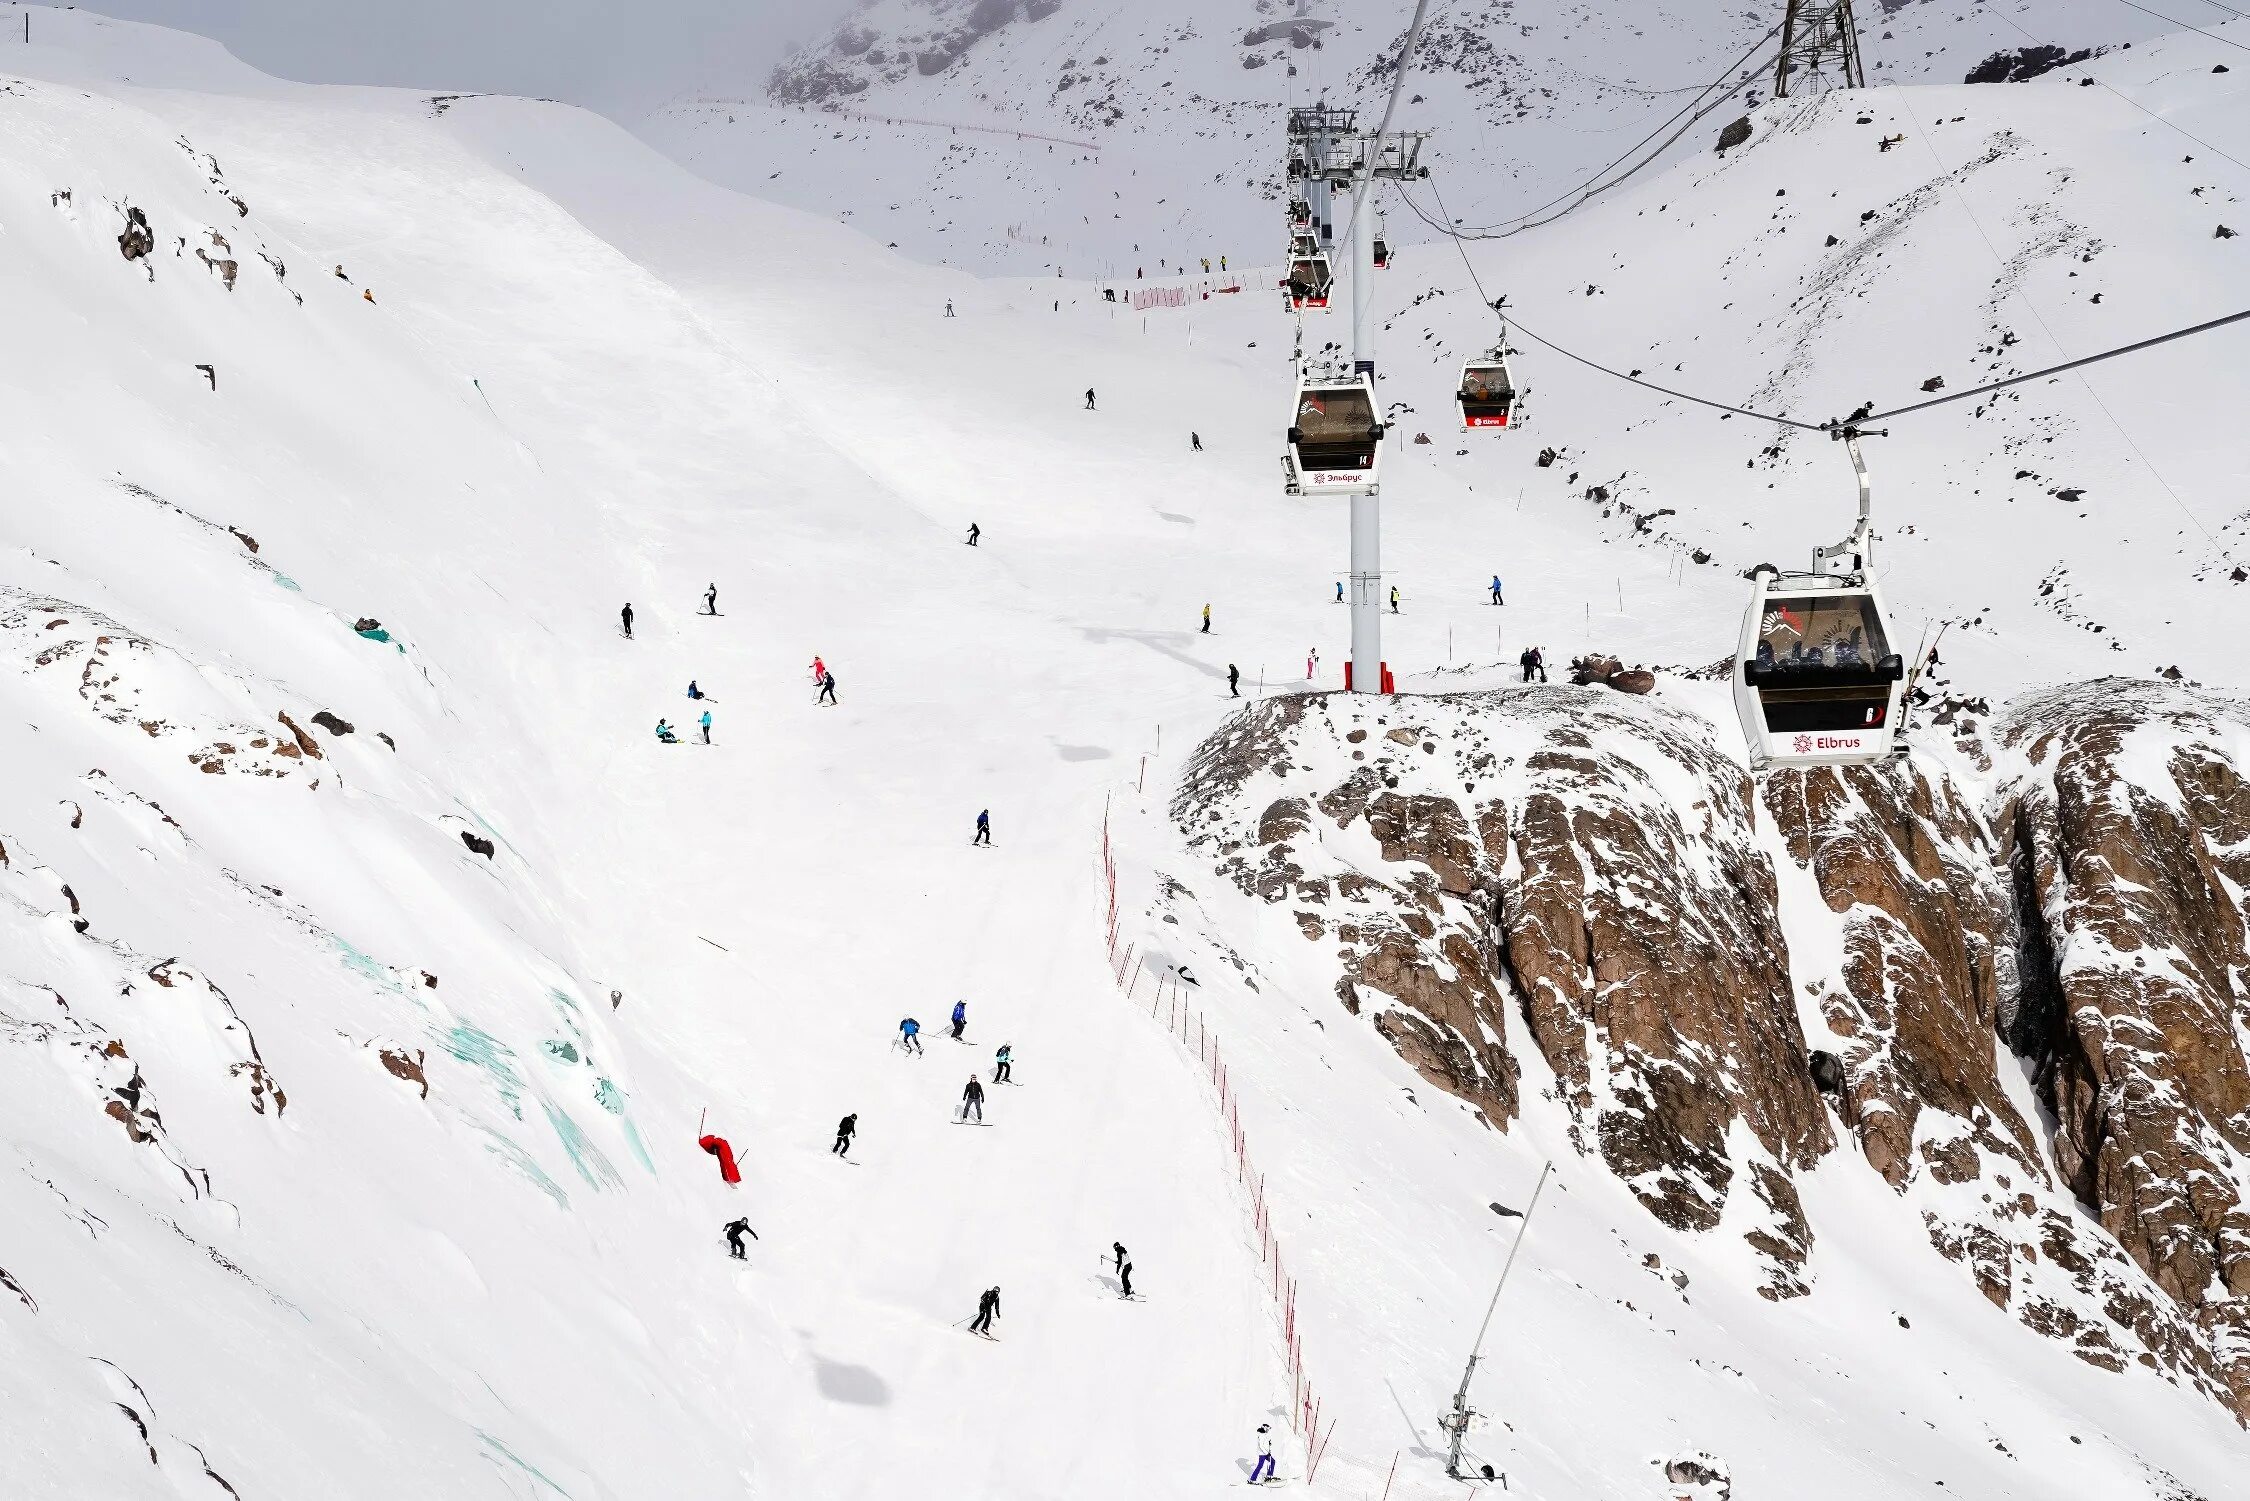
910, 1036
984, 827
706, 724
960, 1018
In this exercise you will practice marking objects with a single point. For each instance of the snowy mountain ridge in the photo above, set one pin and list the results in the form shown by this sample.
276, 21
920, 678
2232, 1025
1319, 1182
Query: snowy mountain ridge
345, 1156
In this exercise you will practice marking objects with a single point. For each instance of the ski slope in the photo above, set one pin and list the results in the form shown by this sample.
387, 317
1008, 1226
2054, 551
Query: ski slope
587, 377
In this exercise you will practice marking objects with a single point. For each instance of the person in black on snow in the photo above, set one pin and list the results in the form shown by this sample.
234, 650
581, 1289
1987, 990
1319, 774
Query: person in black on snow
948, 307
711, 600
1534, 661
736, 1229
1195, 442
1004, 1064
626, 615
827, 689
988, 1309
844, 1130
1234, 678
1089, 398
692, 690
984, 827
1394, 599
1124, 1272
975, 532
972, 1100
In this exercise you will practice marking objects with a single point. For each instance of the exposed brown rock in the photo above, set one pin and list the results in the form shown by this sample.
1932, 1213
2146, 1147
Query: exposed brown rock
403, 1067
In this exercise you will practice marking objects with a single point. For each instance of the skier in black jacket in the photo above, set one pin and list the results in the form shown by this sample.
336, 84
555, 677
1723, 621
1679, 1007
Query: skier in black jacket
844, 1130
988, 1309
972, 1100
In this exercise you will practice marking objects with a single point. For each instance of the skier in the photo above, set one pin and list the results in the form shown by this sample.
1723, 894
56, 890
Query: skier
1089, 398
1234, 677
735, 1230
1124, 1272
1339, 591
1118, 1247
960, 1018
984, 828
844, 1130
1206, 620
1394, 599
1496, 599
827, 690
1222, 263
1195, 442
1265, 1455
1004, 1064
988, 1309
972, 1100
948, 307
705, 724
975, 532
711, 600
626, 615
1312, 663
819, 669
664, 733
910, 1036
692, 690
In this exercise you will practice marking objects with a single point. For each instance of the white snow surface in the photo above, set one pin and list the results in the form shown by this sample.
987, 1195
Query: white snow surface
588, 376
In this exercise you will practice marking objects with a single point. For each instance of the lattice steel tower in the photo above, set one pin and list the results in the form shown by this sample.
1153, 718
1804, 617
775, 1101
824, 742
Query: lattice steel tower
1819, 49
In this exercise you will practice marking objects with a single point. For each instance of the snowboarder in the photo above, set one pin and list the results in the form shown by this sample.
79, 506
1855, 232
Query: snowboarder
705, 725
1089, 398
1534, 661
1234, 678
984, 827
1394, 599
975, 532
844, 1130
664, 733
626, 615
735, 1230
827, 690
960, 1018
972, 1100
711, 599
692, 690
1206, 620
1004, 1064
948, 307
910, 1036
988, 1309
1195, 442
1496, 599
1265, 1455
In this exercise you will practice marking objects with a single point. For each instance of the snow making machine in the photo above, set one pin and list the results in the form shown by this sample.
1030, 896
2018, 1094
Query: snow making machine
1335, 437
1818, 681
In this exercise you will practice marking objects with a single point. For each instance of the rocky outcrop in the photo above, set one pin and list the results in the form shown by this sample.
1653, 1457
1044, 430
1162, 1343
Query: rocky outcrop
856, 56
2125, 807
1560, 870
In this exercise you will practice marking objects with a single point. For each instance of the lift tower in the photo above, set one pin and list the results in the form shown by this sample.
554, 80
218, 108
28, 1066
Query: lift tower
1819, 49
1338, 155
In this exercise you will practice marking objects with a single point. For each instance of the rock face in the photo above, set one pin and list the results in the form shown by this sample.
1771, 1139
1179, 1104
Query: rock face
1575, 873
2126, 811
856, 55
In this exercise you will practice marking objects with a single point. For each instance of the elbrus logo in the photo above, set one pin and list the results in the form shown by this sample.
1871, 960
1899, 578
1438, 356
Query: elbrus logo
1802, 744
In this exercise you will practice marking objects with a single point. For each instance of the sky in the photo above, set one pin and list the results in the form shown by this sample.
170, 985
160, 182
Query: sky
622, 57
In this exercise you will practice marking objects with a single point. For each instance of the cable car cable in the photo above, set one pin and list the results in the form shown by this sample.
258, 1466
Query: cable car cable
1743, 64
2186, 26
2128, 98
2092, 359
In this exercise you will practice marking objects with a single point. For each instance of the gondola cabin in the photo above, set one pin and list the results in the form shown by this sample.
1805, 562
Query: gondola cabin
1382, 249
1335, 438
1308, 282
1487, 395
1818, 682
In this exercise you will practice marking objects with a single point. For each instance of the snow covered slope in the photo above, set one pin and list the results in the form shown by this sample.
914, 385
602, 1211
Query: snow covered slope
558, 373
1105, 136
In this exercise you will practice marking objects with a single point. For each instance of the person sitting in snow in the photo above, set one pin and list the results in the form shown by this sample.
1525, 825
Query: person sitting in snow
664, 733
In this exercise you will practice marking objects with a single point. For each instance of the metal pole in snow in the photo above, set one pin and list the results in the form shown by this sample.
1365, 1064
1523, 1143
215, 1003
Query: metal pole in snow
1457, 1422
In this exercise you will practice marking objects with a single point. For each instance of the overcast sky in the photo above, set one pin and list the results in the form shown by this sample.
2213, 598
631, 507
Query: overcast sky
619, 56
